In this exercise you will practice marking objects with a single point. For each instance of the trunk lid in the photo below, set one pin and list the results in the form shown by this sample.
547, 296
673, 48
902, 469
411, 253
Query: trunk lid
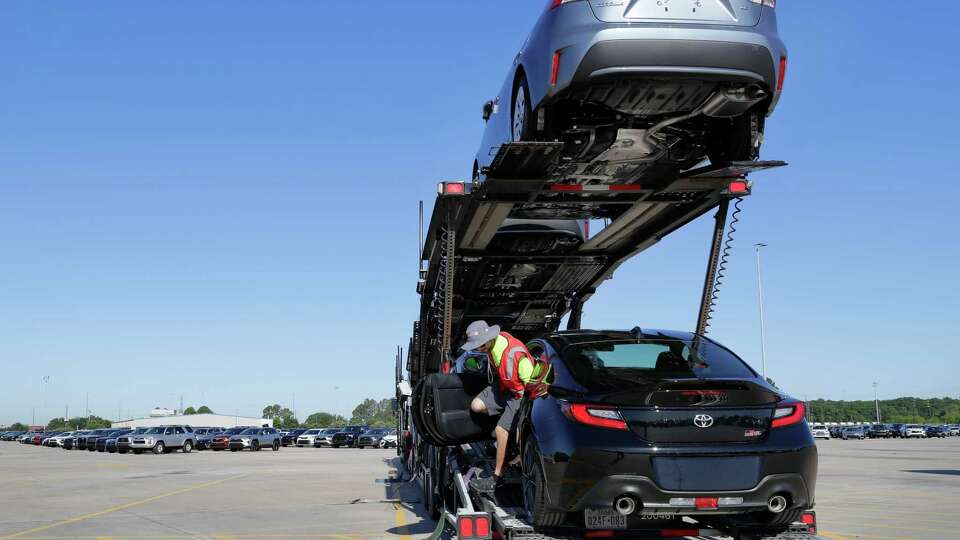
725, 12
697, 411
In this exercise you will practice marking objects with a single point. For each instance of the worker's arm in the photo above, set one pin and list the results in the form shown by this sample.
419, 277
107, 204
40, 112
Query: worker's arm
528, 370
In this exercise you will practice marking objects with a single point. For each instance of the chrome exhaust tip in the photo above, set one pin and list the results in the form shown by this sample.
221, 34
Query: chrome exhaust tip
625, 505
777, 504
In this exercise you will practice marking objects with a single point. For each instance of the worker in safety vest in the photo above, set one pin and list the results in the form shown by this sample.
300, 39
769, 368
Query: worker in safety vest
513, 365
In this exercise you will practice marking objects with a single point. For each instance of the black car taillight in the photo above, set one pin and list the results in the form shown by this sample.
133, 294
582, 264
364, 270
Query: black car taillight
594, 415
788, 414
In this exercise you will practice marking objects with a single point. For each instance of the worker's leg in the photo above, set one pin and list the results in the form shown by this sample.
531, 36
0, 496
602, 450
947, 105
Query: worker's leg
503, 437
478, 406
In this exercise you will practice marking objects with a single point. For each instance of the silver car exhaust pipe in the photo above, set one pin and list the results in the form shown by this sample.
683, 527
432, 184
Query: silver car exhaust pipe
777, 504
625, 505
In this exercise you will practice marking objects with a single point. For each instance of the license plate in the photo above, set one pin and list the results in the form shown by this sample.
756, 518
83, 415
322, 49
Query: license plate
604, 518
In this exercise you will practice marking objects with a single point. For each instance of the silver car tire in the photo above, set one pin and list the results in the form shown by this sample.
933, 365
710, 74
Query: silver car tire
159, 448
520, 111
187, 447
276, 446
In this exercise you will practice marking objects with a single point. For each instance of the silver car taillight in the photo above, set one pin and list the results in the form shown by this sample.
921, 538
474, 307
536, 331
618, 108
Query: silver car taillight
768, 3
557, 3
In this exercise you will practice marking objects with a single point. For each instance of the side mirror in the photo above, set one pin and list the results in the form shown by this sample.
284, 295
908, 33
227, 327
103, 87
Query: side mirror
487, 110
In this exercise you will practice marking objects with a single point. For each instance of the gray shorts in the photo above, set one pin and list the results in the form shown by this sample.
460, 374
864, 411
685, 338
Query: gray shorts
500, 403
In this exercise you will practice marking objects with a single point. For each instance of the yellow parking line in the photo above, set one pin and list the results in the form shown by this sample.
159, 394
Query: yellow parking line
834, 536
121, 507
401, 518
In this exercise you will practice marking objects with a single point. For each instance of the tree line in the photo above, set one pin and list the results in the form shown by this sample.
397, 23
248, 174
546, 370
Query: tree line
369, 412
903, 410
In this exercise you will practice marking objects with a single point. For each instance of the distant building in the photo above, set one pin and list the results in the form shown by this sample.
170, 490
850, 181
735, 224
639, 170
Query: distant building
196, 420
163, 411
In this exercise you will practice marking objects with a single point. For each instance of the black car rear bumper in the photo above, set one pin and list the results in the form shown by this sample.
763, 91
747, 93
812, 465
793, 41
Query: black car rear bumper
595, 478
678, 58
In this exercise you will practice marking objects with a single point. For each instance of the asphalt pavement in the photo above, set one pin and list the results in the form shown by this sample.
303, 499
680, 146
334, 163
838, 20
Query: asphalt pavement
874, 489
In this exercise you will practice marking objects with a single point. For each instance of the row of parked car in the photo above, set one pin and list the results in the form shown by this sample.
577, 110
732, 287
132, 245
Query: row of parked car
165, 439
159, 439
349, 436
885, 431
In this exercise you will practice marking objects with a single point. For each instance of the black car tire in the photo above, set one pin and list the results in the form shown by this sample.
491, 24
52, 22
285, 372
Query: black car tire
735, 139
534, 497
121, 451
159, 448
334, 446
276, 446
233, 449
187, 447
520, 89
138, 452
255, 446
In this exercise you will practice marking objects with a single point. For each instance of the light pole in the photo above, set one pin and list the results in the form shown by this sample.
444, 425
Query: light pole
876, 401
763, 330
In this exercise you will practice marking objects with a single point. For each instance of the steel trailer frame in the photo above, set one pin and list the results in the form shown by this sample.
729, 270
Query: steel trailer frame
466, 217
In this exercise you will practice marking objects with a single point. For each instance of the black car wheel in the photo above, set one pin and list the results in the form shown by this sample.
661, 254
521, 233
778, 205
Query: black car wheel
159, 448
121, 451
138, 452
534, 499
276, 446
187, 447
520, 111
255, 446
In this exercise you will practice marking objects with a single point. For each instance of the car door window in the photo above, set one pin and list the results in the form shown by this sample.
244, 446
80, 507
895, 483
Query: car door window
179, 431
169, 431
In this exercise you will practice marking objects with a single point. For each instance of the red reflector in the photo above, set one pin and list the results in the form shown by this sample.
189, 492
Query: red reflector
676, 533
795, 416
566, 187
738, 187
626, 187
598, 534
482, 526
705, 503
808, 519
783, 73
556, 68
453, 188
466, 527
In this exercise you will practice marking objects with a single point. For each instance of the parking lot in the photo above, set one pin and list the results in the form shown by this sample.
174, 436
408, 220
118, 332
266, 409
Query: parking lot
873, 489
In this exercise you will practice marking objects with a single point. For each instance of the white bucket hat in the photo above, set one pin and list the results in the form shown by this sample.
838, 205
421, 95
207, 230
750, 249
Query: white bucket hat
479, 333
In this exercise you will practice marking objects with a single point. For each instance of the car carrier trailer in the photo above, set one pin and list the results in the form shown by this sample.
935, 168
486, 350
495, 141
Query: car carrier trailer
465, 275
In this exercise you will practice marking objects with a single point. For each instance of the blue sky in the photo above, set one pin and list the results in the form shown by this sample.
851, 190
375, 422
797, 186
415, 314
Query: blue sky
218, 199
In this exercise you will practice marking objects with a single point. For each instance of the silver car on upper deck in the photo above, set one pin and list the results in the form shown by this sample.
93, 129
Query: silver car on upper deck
636, 87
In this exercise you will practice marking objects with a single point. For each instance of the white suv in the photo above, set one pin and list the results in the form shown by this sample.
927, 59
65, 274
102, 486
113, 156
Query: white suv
913, 430
820, 431
308, 437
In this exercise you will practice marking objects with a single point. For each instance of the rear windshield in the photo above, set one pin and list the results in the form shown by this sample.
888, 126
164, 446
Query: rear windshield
615, 365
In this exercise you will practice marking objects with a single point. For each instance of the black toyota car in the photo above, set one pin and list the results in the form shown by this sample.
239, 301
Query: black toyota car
628, 427
347, 436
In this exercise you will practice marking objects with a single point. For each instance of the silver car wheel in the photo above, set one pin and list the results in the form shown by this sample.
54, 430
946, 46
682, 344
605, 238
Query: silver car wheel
519, 113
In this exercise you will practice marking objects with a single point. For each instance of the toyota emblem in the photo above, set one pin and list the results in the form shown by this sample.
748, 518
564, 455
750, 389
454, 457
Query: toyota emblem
703, 420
